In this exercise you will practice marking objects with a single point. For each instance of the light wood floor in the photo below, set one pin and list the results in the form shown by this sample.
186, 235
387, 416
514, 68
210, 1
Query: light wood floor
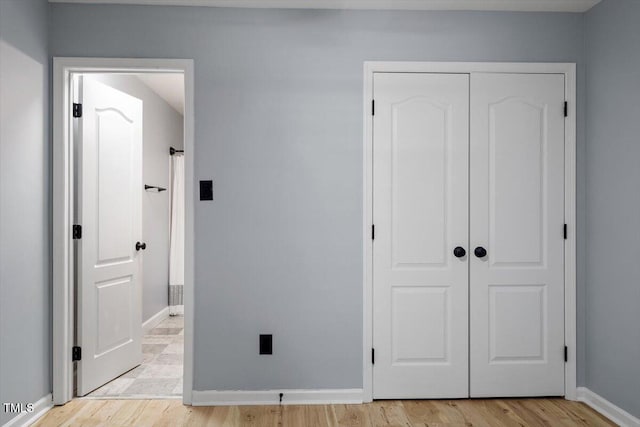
409, 413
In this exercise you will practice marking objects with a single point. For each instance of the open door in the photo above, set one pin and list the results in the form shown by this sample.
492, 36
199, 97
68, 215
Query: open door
109, 192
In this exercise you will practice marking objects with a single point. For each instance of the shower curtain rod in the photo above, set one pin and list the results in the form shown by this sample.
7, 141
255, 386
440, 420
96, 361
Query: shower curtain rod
173, 151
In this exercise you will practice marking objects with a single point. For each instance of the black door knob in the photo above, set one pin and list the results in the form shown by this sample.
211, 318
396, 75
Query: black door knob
480, 252
459, 252
142, 246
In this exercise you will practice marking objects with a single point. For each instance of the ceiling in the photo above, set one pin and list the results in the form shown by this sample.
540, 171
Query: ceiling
169, 86
495, 5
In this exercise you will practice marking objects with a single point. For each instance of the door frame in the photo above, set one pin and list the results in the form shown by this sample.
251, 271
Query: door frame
569, 71
63, 200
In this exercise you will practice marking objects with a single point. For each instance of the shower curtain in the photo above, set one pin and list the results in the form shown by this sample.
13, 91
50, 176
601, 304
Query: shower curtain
176, 249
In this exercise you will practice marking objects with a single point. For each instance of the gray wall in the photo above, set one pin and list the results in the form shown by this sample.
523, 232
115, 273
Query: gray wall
279, 130
162, 128
613, 202
25, 296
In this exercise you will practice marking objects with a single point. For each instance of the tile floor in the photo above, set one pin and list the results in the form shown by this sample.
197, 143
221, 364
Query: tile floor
160, 374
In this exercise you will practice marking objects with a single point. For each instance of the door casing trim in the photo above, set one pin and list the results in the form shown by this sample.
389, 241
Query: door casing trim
569, 71
63, 198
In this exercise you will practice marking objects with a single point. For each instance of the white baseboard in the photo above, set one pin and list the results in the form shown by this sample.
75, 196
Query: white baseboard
606, 408
40, 408
155, 320
272, 397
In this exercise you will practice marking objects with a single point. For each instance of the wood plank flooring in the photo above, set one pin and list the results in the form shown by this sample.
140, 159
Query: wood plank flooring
405, 413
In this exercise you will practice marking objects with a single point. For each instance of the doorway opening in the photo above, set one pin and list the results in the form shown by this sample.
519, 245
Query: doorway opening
128, 140
123, 275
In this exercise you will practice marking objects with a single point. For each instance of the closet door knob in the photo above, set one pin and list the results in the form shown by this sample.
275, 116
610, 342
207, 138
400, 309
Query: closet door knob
480, 252
459, 252
142, 246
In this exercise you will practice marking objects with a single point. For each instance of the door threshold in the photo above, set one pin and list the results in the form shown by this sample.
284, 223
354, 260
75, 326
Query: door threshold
132, 397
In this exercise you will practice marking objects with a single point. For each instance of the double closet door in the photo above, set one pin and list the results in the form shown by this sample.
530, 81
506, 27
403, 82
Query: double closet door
468, 256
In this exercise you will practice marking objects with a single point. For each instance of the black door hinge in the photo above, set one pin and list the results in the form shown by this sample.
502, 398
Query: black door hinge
566, 109
373, 356
565, 232
373, 232
373, 107
77, 110
77, 231
76, 354
566, 353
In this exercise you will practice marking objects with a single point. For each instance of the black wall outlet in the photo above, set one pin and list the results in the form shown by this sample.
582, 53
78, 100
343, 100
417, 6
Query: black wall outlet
266, 344
206, 190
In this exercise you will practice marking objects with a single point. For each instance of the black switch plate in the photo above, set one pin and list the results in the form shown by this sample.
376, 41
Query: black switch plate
266, 344
206, 190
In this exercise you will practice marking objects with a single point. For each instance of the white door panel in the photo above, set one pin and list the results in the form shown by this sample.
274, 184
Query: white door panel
110, 211
420, 212
517, 215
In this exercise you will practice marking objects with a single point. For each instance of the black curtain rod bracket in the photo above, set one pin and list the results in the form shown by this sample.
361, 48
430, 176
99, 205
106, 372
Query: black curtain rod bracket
153, 187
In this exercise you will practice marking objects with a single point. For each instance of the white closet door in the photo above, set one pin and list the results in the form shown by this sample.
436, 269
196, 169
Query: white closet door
420, 212
517, 216
110, 211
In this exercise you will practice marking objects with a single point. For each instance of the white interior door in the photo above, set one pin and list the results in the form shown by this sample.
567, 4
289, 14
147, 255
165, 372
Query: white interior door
517, 216
110, 212
420, 212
